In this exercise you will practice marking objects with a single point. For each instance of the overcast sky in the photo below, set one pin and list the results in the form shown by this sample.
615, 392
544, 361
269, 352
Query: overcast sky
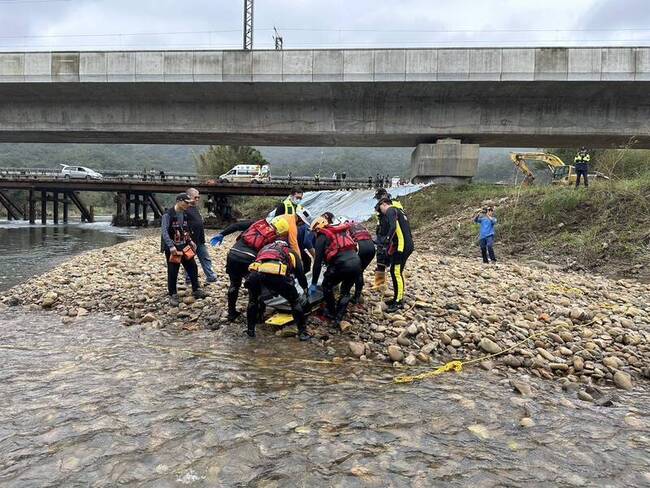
189, 24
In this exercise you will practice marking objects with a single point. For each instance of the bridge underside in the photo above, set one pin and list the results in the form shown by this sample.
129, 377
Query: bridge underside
497, 114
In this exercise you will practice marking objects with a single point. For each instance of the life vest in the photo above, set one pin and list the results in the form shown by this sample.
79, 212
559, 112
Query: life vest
359, 233
275, 258
339, 239
259, 234
179, 233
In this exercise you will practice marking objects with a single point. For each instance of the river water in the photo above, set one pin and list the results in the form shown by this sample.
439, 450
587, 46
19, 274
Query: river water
96, 403
27, 250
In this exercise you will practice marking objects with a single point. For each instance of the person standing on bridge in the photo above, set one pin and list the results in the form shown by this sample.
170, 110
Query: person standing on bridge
581, 164
291, 204
178, 245
195, 222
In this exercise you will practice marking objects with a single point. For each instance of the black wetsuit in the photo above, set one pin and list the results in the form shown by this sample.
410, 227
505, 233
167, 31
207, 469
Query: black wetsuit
400, 247
366, 255
344, 269
280, 285
239, 258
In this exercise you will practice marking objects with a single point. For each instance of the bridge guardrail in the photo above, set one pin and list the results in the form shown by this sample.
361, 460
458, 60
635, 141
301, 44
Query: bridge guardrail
126, 176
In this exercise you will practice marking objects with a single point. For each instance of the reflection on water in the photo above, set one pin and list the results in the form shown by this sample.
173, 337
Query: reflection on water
97, 403
26, 250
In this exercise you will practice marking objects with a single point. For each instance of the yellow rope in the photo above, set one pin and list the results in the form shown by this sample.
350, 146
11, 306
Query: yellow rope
458, 365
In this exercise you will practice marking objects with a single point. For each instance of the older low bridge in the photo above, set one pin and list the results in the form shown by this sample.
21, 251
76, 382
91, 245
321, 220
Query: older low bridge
136, 194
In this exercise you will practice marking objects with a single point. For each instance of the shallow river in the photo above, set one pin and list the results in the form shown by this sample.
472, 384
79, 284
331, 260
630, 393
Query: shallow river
95, 403
27, 250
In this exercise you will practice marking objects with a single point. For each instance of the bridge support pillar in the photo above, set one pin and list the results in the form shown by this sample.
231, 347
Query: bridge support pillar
55, 207
448, 161
43, 207
220, 207
66, 207
31, 204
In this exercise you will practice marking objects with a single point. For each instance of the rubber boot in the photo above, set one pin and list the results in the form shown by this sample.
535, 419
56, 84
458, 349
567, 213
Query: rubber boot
233, 314
380, 280
341, 308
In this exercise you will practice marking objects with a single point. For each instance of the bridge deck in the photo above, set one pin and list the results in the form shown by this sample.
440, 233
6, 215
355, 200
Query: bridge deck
37, 180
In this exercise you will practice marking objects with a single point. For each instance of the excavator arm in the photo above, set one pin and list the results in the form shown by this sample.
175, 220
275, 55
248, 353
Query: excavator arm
553, 162
520, 163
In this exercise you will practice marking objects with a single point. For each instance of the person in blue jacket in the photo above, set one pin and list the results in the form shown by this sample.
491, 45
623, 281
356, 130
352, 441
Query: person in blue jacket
487, 221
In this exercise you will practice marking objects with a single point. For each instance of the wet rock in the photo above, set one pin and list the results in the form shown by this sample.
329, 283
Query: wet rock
584, 396
410, 360
395, 353
149, 317
526, 422
403, 341
521, 387
623, 380
487, 365
489, 346
49, 299
357, 349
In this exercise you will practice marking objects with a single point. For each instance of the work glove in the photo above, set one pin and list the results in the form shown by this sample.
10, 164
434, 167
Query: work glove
216, 240
312, 290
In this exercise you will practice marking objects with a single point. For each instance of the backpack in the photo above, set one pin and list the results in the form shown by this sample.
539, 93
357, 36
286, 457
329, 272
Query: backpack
359, 233
259, 235
339, 240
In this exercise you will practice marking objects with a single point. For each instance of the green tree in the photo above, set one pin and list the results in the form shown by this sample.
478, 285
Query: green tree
217, 160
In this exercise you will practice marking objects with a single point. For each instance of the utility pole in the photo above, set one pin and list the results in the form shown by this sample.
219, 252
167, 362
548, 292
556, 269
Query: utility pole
278, 40
248, 25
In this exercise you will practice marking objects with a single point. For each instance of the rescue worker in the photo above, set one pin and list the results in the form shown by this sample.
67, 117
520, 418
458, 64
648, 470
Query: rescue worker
399, 243
335, 247
276, 268
179, 248
581, 164
290, 204
366, 251
383, 260
254, 236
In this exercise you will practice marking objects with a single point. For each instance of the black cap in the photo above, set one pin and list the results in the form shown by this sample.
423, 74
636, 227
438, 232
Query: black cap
381, 193
183, 197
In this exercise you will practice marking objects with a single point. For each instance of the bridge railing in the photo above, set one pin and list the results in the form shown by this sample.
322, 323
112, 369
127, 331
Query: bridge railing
126, 176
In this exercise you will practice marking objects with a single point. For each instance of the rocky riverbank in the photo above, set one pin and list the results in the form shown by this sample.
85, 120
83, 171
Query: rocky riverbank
584, 330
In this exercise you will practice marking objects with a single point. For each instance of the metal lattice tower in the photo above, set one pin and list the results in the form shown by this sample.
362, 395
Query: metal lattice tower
248, 25
278, 40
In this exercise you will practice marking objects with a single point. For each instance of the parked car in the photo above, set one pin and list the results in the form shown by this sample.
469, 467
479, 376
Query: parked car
247, 173
79, 172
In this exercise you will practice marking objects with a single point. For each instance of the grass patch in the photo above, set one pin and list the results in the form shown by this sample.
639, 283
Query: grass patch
607, 223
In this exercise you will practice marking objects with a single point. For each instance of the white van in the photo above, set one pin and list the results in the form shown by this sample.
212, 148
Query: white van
248, 173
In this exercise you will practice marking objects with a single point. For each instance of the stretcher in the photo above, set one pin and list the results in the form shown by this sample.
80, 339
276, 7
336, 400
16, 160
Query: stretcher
282, 310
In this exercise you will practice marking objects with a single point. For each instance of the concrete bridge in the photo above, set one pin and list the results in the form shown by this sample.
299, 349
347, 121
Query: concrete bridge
540, 97
135, 195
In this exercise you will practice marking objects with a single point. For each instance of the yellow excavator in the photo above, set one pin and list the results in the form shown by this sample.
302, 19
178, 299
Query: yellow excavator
563, 174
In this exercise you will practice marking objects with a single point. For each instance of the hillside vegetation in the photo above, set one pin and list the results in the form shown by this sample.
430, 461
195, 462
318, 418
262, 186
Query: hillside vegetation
605, 228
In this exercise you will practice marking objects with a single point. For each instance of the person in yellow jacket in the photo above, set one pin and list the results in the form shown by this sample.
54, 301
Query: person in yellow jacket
291, 204
581, 164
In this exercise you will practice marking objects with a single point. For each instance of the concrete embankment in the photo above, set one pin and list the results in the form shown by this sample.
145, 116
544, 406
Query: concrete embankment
583, 330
